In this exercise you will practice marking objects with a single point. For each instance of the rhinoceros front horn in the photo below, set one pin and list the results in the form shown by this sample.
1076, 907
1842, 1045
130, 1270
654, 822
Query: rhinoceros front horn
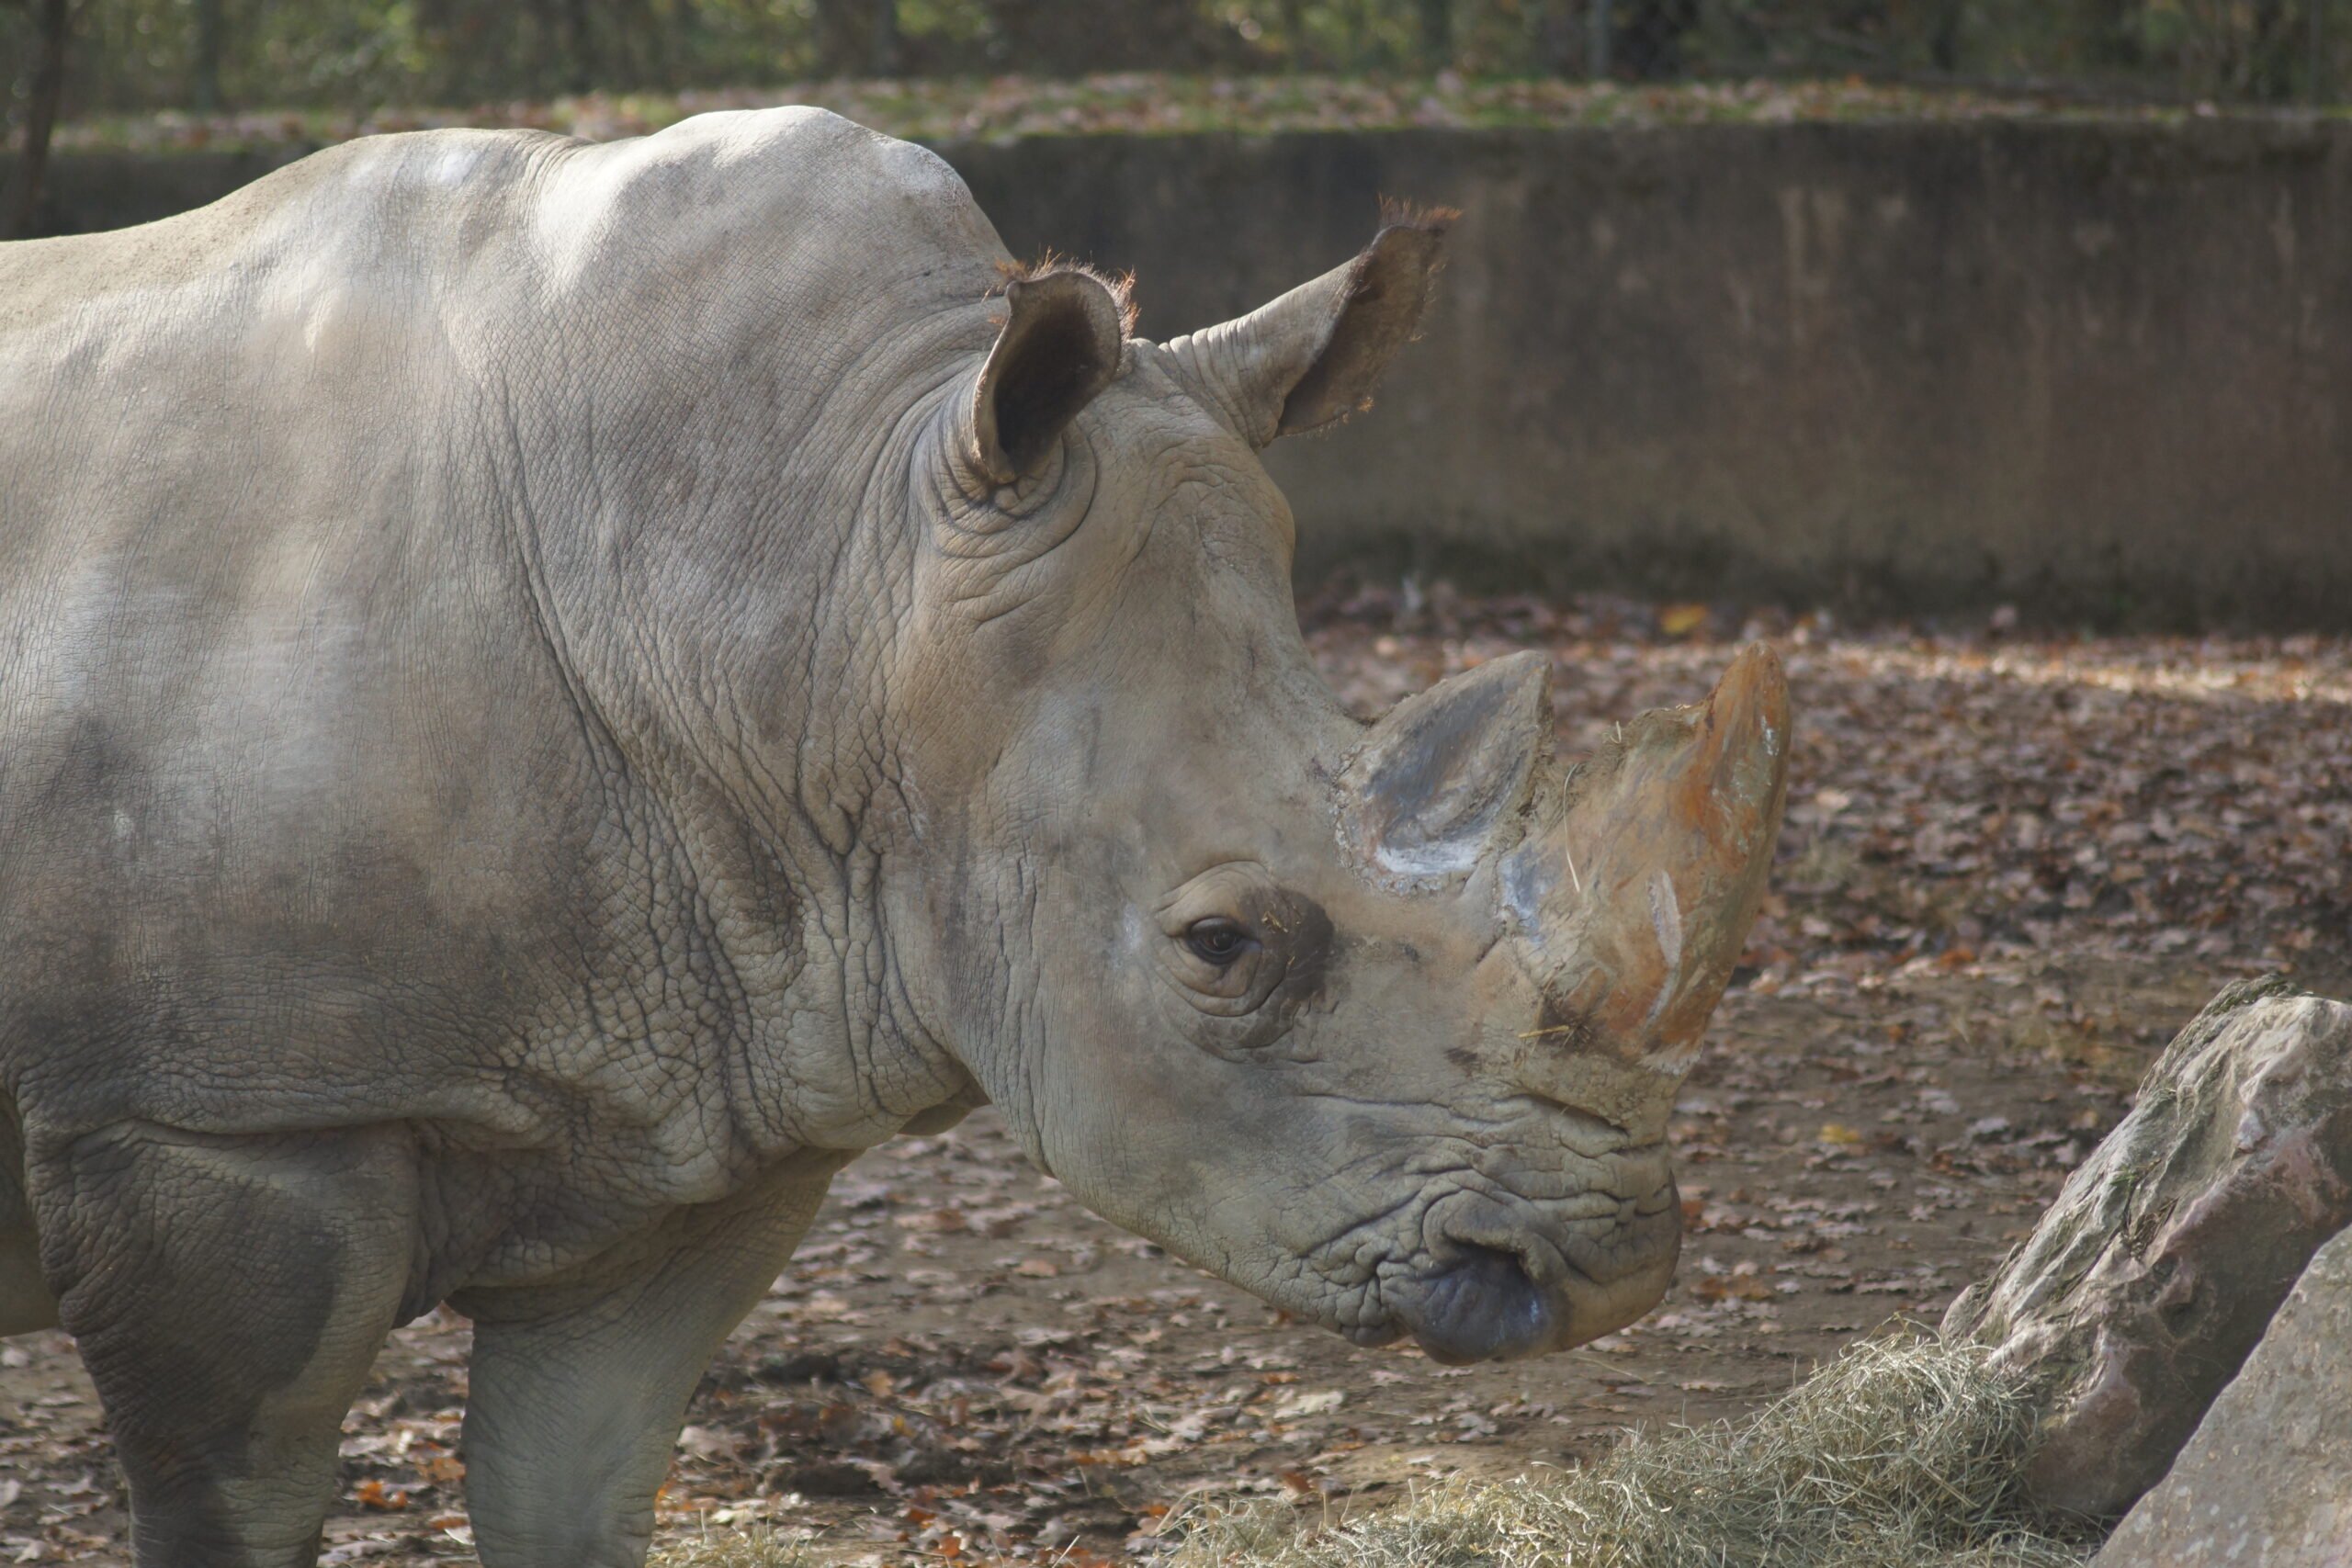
1635, 899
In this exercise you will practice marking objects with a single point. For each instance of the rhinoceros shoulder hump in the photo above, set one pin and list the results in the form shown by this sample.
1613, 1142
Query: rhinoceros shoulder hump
802, 176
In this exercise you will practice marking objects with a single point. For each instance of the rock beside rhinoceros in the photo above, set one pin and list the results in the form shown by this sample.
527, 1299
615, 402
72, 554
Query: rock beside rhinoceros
2267, 1480
2141, 1292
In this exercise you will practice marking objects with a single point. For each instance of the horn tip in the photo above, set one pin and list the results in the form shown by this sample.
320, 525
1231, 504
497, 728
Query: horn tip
1757, 683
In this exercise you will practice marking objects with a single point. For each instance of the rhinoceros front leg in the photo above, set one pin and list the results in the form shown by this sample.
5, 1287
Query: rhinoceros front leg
576, 1390
25, 1302
228, 1295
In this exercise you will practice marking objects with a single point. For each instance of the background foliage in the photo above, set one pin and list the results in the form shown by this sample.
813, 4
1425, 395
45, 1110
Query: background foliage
132, 55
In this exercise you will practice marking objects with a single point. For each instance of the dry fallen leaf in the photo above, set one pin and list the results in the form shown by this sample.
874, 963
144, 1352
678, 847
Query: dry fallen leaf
1682, 620
374, 1493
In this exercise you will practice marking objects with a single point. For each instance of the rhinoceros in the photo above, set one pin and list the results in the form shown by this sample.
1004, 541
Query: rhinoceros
551, 693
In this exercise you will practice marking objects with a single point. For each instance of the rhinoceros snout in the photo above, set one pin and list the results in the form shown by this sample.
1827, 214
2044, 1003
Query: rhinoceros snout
1541, 1282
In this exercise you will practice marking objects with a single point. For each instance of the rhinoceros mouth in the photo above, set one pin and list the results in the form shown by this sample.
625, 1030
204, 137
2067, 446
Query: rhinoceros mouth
1484, 1306
1502, 1284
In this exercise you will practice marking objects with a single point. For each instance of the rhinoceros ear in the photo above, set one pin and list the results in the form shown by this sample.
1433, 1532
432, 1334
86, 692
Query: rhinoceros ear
1058, 350
1313, 357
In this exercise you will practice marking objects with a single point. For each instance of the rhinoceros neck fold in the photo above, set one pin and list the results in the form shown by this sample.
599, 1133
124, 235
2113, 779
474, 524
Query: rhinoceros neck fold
713, 524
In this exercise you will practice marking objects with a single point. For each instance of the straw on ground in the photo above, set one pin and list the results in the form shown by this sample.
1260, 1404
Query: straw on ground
1903, 1453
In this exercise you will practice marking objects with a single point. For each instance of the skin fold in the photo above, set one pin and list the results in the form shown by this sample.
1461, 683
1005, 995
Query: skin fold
551, 693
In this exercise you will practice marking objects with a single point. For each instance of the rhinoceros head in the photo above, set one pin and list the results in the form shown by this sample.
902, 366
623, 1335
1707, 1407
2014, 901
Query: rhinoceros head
1383, 1023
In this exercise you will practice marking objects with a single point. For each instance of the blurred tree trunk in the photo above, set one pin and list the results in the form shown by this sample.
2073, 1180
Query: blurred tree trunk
2114, 29
1554, 28
2270, 63
1647, 41
20, 196
204, 94
1437, 33
637, 38
2318, 86
1294, 25
580, 40
858, 38
1943, 41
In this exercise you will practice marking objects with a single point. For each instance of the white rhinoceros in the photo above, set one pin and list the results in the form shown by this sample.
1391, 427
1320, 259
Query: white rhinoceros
552, 694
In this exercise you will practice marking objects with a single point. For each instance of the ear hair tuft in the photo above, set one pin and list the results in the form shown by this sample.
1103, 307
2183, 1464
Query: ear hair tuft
1120, 285
1397, 213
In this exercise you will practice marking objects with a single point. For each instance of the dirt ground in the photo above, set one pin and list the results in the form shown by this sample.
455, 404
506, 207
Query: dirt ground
2013, 867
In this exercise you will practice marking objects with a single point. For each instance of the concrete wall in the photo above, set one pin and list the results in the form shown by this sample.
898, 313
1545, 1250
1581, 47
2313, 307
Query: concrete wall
2096, 370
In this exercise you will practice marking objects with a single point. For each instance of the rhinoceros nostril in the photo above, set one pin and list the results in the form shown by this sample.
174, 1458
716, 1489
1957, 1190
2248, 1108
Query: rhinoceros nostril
1661, 1200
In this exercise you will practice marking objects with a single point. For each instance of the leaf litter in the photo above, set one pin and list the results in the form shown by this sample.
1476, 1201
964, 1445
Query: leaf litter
2013, 866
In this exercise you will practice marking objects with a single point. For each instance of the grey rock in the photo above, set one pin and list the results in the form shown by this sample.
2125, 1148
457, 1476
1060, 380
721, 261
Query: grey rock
2157, 1270
2266, 1480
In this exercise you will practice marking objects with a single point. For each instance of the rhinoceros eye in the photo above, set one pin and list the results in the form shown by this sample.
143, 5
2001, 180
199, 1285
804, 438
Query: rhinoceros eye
1218, 940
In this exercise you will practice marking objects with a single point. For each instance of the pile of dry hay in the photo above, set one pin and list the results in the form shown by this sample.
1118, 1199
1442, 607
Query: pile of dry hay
1903, 1453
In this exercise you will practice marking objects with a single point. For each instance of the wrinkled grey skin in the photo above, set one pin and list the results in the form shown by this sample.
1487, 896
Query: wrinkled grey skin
550, 694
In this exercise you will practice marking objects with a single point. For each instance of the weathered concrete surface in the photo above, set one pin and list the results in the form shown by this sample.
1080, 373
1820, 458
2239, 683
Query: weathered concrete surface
2144, 1288
2097, 369
2266, 1482
84, 192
